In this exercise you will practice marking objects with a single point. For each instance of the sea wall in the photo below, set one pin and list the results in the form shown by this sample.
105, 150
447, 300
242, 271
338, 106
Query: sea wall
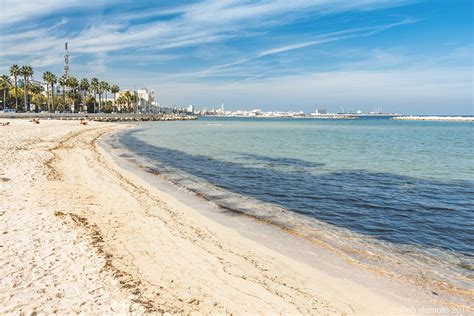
101, 117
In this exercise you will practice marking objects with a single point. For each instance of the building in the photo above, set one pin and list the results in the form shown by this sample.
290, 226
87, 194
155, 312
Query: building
320, 111
146, 99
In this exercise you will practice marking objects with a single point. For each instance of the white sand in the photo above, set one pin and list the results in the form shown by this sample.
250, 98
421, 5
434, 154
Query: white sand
45, 264
78, 234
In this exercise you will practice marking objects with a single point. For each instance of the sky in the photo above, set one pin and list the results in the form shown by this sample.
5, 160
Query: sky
403, 56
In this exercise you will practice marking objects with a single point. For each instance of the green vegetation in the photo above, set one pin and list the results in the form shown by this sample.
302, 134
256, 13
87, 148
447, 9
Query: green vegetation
4, 85
127, 101
26, 72
14, 72
21, 93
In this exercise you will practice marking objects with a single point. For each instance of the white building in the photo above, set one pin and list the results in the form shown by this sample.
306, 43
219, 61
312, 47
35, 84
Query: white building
146, 100
320, 111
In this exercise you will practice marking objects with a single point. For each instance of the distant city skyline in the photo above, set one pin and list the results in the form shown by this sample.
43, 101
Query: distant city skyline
404, 56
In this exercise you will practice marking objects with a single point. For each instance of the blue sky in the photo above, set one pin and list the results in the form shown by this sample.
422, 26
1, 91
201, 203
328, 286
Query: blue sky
405, 56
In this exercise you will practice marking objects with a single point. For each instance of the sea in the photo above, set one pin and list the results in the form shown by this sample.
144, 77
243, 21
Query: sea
395, 196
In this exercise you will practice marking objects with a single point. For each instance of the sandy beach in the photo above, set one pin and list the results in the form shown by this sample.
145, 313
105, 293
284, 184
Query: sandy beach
80, 234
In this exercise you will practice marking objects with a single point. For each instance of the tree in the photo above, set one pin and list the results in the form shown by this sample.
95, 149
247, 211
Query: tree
130, 100
14, 72
38, 99
103, 87
134, 100
26, 72
95, 89
84, 87
73, 84
115, 89
36, 96
53, 81
122, 101
63, 83
5, 83
90, 102
107, 90
48, 78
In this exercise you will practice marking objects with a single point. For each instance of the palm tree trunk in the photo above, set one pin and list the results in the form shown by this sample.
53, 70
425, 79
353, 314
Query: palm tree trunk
16, 94
73, 99
25, 100
47, 94
64, 98
4, 90
52, 97
25, 93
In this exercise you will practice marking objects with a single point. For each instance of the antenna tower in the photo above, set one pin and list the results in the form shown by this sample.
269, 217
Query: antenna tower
66, 60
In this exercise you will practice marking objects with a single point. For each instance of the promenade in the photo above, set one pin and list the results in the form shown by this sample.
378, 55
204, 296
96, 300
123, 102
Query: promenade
100, 117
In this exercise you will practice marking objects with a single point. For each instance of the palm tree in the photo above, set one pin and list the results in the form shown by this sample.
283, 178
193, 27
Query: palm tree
84, 87
4, 84
14, 72
115, 89
95, 88
131, 100
73, 84
63, 83
103, 87
134, 100
122, 101
26, 72
48, 77
35, 96
53, 81
127, 98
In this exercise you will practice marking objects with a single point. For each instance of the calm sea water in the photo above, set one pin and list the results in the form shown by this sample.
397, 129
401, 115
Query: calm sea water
391, 189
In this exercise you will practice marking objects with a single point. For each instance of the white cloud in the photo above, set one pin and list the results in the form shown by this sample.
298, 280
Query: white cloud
322, 39
13, 11
204, 22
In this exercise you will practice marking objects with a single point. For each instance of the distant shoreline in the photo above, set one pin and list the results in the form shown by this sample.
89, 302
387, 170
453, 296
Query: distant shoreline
435, 118
398, 117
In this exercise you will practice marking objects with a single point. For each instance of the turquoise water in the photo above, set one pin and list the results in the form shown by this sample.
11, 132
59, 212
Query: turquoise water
398, 189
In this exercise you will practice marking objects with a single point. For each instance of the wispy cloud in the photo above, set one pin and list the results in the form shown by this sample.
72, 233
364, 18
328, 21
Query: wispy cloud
195, 24
14, 12
322, 39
